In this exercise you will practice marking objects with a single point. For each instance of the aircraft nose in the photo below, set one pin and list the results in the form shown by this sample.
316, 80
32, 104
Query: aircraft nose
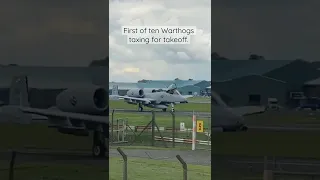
184, 100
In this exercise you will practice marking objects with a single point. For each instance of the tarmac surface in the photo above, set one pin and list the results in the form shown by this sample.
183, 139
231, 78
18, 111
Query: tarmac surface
228, 162
282, 129
199, 157
179, 113
257, 164
84, 157
233, 163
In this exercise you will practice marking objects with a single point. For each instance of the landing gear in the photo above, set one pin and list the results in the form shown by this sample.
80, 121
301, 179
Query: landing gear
172, 107
244, 128
164, 110
98, 147
140, 108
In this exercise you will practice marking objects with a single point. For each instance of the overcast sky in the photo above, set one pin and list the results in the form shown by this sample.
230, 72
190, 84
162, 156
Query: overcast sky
72, 33
53, 33
136, 62
280, 29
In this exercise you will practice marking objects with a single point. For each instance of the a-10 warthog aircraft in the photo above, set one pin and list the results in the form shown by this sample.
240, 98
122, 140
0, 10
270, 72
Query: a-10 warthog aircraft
78, 111
154, 98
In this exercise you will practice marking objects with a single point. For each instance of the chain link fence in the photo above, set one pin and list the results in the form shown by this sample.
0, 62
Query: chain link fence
160, 129
44, 164
264, 168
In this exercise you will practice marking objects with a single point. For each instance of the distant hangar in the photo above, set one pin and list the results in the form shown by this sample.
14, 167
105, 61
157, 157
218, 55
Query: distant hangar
252, 82
185, 87
46, 82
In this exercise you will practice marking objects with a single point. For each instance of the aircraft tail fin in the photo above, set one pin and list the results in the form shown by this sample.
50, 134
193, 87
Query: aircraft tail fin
115, 90
19, 94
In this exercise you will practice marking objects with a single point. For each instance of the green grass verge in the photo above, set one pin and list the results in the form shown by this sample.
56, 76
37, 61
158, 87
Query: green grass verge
146, 169
55, 171
296, 144
287, 144
40, 136
136, 119
179, 107
145, 139
199, 99
151, 147
284, 118
138, 169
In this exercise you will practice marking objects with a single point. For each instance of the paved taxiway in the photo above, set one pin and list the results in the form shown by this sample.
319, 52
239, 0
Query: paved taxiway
178, 113
83, 157
234, 163
256, 164
282, 129
191, 157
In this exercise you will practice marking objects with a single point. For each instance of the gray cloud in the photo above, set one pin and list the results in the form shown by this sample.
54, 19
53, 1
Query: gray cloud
64, 33
164, 61
273, 29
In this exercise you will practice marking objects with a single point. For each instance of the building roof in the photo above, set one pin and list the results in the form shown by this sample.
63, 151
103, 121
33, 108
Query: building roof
313, 82
54, 77
253, 75
166, 83
154, 84
123, 85
229, 69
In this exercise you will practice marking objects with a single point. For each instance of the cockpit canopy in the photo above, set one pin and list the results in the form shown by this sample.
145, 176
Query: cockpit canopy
172, 86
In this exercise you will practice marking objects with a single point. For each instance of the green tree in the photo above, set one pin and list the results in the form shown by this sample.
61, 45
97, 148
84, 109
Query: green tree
100, 62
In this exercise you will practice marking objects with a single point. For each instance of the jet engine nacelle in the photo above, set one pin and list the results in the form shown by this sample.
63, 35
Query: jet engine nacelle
87, 100
138, 93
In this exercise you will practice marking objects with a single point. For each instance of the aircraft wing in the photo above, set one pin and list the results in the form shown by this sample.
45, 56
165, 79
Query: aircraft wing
144, 100
200, 102
248, 110
14, 110
187, 96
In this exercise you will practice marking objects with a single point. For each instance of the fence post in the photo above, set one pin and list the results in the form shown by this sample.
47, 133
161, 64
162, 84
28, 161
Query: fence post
152, 127
184, 166
11, 170
125, 163
267, 173
173, 129
112, 117
265, 163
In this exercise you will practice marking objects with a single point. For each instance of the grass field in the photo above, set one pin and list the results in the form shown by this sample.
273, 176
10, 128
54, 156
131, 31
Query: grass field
179, 107
284, 117
142, 119
146, 169
138, 169
287, 144
299, 144
55, 171
145, 139
39, 135
303, 144
199, 99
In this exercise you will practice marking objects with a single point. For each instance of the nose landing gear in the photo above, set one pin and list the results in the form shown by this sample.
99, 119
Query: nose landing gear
172, 107
140, 107
98, 148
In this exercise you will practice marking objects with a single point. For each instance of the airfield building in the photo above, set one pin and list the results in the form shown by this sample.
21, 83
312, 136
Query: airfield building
312, 88
185, 87
46, 82
243, 82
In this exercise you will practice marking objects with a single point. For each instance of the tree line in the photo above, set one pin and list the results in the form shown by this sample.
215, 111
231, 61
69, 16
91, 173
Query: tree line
217, 56
100, 62
214, 56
